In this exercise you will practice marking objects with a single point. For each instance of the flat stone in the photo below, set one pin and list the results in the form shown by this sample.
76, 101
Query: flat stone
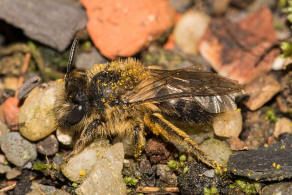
278, 188
123, 28
53, 23
272, 163
106, 177
260, 91
17, 150
84, 161
234, 48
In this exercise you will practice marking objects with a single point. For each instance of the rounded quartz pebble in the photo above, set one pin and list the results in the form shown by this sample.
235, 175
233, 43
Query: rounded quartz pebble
48, 146
228, 124
17, 150
37, 112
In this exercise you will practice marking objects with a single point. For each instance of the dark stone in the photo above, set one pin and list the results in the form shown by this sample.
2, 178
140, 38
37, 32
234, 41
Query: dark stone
194, 181
48, 146
53, 23
147, 172
272, 163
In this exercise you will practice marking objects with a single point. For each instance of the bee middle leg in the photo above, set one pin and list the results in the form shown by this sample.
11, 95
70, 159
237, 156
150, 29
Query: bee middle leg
160, 126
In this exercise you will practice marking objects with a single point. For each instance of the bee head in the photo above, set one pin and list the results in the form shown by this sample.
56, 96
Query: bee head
75, 92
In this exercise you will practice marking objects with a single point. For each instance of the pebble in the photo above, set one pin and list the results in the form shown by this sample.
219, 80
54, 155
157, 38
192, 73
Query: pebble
2, 159
283, 125
157, 151
186, 32
219, 7
181, 5
4, 168
216, 150
166, 178
105, 176
17, 150
65, 136
209, 173
278, 188
37, 189
228, 124
13, 173
260, 91
55, 26
37, 112
48, 146
122, 29
86, 60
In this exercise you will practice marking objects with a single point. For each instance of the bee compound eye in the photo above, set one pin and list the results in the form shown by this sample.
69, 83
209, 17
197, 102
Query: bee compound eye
80, 107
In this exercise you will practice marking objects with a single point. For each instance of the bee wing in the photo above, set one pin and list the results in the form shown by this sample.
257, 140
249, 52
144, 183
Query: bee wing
210, 91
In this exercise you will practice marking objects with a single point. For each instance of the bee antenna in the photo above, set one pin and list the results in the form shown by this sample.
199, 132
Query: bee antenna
71, 60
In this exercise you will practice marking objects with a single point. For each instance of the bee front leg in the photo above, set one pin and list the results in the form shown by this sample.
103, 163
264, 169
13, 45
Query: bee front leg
87, 136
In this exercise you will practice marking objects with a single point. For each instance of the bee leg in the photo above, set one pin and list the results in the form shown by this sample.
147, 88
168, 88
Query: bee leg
139, 141
86, 137
160, 126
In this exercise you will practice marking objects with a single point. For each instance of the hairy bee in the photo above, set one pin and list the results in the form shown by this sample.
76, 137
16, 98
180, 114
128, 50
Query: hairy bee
124, 98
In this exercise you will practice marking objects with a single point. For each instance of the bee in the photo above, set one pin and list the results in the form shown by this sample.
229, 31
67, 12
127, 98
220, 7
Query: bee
124, 98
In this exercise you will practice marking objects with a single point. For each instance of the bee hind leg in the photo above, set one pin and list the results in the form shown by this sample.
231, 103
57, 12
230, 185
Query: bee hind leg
87, 136
139, 141
160, 126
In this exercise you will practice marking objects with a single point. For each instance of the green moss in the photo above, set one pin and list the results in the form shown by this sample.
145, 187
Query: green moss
39, 166
271, 116
131, 181
211, 191
183, 158
248, 188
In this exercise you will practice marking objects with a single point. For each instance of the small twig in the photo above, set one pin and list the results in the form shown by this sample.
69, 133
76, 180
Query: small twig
149, 189
7, 188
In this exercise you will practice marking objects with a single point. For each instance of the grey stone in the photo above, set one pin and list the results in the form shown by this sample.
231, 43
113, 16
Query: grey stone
18, 150
209, 173
53, 23
37, 189
166, 178
181, 5
106, 177
3, 130
278, 188
86, 60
